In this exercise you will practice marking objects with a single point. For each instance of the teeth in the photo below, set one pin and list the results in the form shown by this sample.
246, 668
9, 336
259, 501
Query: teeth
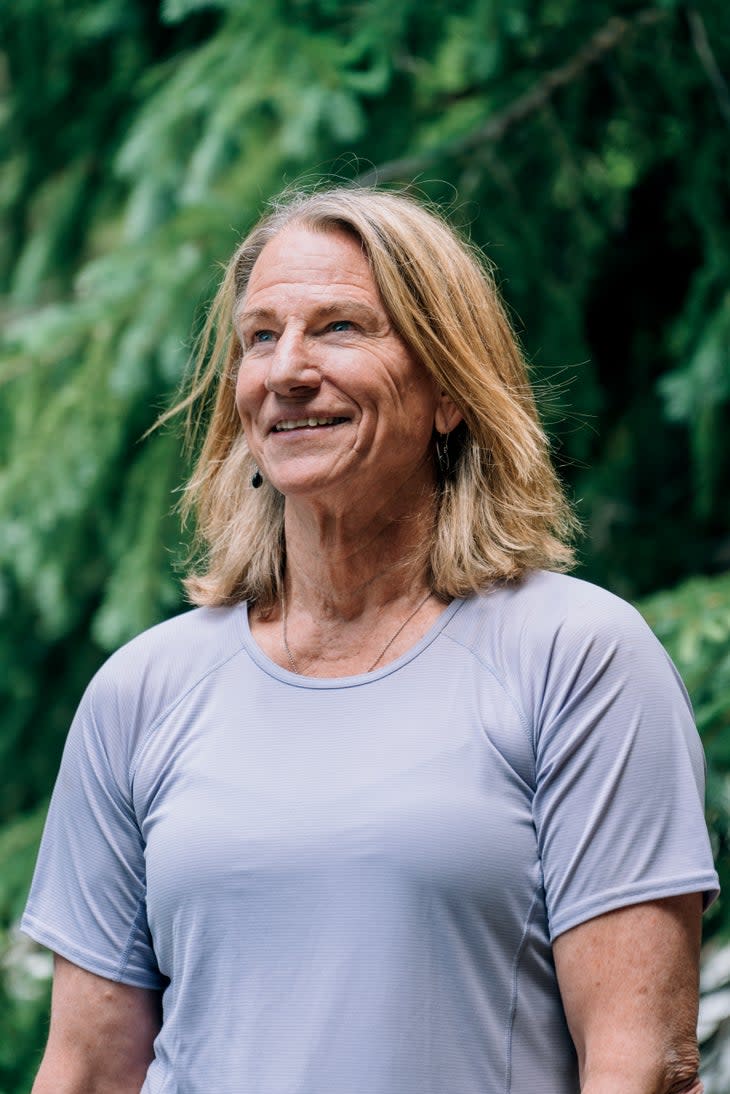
300, 423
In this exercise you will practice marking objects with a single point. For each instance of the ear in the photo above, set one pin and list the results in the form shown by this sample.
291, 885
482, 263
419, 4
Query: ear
447, 415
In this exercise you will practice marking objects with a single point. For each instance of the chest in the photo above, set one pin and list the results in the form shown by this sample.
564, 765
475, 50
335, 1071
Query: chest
253, 797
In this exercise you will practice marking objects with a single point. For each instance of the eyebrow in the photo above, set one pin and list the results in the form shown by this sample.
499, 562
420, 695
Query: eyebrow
321, 311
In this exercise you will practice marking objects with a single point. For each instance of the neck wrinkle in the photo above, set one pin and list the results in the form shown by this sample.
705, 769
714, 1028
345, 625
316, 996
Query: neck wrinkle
343, 573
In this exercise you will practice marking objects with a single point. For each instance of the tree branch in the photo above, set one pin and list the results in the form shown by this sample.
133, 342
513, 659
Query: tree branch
703, 49
606, 39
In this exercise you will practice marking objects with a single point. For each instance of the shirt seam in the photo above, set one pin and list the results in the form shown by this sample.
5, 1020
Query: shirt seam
521, 716
515, 980
127, 949
169, 709
343, 683
39, 928
637, 893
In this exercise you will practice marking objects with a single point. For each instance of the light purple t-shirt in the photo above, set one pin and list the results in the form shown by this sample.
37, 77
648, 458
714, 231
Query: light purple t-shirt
352, 885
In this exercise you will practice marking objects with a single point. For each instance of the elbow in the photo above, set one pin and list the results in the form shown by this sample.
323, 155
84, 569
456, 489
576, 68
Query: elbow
674, 1071
682, 1071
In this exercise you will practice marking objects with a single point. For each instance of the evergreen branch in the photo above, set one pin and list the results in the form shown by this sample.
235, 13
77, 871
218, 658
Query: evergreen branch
703, 49
603, 41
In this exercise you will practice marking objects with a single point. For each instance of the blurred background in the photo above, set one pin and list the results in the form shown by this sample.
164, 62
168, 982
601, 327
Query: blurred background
584, 145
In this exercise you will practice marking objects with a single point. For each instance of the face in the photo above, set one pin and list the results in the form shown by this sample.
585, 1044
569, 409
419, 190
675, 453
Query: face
331, 400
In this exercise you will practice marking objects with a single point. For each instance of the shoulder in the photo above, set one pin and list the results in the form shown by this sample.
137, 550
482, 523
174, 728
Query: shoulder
146, 677
199, 635
546, 608
551, 638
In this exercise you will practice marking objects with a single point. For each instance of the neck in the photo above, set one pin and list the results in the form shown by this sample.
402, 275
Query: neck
343, 564
357, 589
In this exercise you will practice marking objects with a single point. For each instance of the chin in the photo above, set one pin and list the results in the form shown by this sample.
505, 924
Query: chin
302, 485
309, 478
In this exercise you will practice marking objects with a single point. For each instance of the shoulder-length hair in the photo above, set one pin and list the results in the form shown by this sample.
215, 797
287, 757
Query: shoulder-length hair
499, 512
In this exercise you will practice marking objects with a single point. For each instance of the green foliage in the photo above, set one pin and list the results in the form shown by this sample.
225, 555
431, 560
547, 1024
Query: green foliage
23, 973
693, 623
584, 146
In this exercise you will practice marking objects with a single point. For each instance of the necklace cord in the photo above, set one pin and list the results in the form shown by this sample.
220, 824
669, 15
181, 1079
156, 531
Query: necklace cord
386, 647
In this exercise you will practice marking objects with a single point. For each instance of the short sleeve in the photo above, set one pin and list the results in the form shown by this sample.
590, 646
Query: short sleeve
619, 793
87, 900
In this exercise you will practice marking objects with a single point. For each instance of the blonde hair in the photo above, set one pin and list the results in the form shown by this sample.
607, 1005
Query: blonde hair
499, 512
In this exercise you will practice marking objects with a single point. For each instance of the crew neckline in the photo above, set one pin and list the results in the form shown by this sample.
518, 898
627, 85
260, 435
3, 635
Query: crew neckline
318, 683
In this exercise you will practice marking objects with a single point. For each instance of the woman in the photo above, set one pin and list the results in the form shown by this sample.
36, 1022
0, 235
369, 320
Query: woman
399, 807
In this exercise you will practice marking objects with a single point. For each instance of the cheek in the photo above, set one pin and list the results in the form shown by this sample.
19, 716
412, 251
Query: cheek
244, 396
418, 405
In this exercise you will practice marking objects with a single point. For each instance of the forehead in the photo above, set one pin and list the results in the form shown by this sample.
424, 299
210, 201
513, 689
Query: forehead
316, 262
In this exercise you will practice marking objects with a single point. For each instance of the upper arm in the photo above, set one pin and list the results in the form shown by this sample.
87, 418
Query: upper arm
629, 984
618, 803
101, 1036
88, 896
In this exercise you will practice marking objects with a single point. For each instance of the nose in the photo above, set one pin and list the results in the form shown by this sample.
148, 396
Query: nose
292, 369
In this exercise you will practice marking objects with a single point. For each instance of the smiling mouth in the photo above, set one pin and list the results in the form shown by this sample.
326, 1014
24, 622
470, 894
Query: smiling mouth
305, 423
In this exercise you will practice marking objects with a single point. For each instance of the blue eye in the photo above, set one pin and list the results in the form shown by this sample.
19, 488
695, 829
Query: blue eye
262, 336
341, 325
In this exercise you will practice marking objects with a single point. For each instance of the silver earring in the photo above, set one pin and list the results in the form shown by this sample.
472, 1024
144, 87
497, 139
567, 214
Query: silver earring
442, 453
257, 479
